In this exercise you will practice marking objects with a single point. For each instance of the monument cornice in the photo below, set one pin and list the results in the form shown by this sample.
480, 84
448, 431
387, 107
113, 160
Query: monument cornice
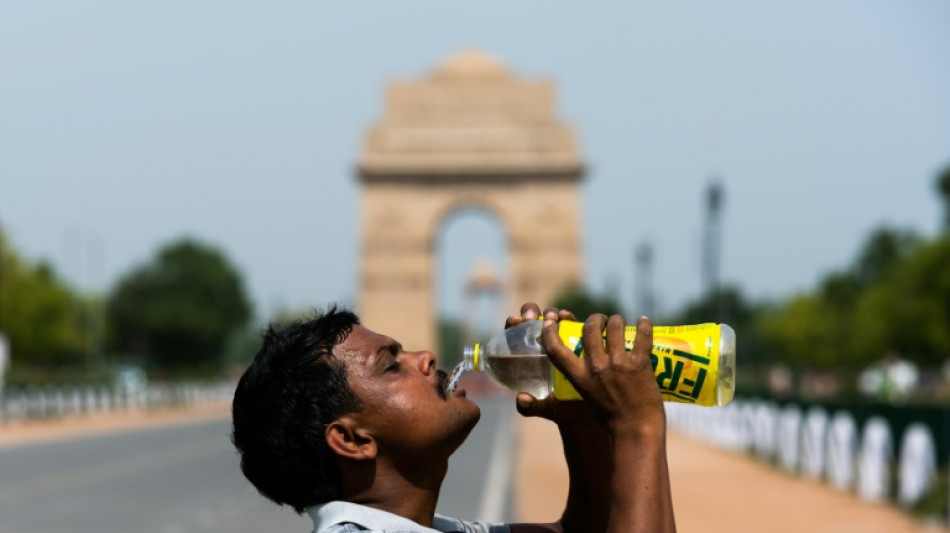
483, 175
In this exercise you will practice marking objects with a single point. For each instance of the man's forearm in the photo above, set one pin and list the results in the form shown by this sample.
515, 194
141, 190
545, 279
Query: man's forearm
619, 477
641, 499
590, 466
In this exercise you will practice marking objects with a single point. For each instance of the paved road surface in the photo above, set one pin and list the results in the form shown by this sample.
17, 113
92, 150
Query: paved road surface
185, 478
478, 485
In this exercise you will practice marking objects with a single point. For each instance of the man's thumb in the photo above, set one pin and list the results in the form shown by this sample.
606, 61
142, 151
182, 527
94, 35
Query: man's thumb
528, 405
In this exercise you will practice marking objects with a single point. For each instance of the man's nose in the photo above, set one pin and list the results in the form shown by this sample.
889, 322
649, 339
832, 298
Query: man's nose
425, 361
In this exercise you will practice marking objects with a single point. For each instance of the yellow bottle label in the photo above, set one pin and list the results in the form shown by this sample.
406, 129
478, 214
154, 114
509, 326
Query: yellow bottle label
685, 361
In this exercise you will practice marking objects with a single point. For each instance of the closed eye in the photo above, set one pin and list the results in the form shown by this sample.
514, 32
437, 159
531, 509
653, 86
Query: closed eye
393, 364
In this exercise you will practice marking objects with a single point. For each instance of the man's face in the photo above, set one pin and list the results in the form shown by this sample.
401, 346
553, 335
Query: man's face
404, 403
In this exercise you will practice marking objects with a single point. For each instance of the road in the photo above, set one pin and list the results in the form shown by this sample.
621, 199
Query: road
185, 478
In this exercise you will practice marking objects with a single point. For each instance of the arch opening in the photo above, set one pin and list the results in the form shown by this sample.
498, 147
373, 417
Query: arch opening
471, 276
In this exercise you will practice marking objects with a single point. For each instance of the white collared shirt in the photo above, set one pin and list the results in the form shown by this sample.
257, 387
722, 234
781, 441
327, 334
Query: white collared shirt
347, 517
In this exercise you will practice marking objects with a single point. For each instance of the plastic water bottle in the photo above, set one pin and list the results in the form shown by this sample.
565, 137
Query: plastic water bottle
693, 364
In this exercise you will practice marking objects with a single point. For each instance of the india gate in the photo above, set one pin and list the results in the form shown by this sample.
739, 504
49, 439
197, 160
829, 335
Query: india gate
470, 134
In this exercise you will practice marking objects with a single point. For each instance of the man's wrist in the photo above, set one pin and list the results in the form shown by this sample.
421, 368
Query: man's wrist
638, 429
580, 426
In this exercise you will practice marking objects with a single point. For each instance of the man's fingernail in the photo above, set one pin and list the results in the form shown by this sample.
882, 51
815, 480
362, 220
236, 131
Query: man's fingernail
644, 317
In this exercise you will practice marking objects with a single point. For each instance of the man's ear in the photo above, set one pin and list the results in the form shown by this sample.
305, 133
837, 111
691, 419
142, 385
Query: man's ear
347, 439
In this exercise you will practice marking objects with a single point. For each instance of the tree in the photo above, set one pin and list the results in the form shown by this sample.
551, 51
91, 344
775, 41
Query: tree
728, 303
729, 306
40, 314
884, 249
804, 331
583, 303
908, 310
177, 312
841, 290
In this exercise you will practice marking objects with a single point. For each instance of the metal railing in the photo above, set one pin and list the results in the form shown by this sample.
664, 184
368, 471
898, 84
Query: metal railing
869, 454
46, 403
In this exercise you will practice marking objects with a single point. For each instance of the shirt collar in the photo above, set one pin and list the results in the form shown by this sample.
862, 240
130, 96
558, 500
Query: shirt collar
329, 514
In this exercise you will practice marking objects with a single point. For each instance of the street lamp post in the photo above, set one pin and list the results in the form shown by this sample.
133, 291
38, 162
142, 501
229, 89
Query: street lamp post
644, 296
712, 243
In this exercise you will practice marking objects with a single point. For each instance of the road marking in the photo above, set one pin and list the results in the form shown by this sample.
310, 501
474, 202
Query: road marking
498, 481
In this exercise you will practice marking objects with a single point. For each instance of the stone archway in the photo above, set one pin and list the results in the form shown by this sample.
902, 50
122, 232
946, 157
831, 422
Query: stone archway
470, 134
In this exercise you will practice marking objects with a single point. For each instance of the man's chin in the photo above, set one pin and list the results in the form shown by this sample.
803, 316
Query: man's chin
468, 418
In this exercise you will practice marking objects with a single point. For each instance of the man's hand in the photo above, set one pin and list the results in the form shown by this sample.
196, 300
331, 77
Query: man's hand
565, 414
619, 385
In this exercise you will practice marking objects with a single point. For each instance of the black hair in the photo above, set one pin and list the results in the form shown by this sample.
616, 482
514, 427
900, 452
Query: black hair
292, 390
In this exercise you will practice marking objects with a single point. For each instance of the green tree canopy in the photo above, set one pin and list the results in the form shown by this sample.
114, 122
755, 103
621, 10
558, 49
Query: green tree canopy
908, 311
824, 328
805, 330
583, 303
884, 249
727, 305
895, 298
177, 312
39, 313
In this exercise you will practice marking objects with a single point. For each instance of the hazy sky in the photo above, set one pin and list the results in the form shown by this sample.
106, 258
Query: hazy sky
124, 125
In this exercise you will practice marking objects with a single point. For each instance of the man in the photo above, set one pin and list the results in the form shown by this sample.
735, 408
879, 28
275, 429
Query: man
346, 424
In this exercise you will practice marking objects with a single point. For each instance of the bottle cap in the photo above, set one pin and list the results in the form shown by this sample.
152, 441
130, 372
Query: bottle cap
471, 353
726, 384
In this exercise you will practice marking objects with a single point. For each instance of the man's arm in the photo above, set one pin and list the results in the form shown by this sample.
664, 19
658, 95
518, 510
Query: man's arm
587, 449
621, 387
615, 442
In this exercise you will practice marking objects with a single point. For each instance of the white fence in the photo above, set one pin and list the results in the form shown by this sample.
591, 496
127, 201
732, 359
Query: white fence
822, 445
60, 402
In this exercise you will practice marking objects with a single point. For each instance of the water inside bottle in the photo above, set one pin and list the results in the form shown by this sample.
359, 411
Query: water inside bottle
523, 373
